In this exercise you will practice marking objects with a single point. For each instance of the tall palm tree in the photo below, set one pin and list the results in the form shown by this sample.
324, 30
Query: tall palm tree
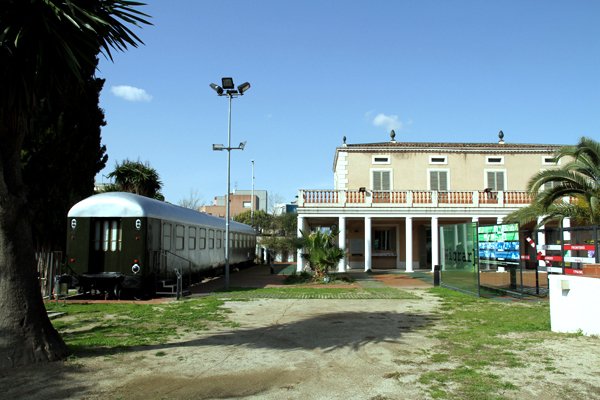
44, 47
322, 253
137, 177
578, 179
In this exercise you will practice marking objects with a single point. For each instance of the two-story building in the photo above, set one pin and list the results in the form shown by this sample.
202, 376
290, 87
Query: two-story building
389, 199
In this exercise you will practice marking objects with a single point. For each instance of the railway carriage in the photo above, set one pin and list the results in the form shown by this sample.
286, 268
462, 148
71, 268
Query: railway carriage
121, 241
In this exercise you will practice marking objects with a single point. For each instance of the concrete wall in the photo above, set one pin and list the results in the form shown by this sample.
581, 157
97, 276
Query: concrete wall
573, 304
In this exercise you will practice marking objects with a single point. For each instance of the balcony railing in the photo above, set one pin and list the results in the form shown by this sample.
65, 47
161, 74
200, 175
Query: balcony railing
412, 198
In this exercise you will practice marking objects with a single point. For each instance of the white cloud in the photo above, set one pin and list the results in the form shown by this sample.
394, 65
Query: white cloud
130, 93
388, 121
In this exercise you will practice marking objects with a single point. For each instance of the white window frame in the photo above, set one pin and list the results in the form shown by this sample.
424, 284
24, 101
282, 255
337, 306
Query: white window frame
488, 162
485, 177
390, 170
246, 204
381, 162
544, 162
431, 161
430, 170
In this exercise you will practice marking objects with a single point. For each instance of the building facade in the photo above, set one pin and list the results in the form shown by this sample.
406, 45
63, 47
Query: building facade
238, 204
389, 199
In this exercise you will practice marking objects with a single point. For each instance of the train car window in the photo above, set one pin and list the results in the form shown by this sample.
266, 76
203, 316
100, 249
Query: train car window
179, 236
192, 241
114, 235
167, 237
97, 230
219, 235
237, 240
105, 235
211, 238
202, 244
120, 236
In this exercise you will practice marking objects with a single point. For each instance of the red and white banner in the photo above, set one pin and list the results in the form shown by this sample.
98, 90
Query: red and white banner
571, 271
588, 247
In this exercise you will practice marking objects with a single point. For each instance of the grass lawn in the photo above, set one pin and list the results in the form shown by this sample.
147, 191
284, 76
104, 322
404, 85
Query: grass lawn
480, 336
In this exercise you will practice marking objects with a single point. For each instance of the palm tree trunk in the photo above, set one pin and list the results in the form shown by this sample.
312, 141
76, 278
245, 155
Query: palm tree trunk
26, 333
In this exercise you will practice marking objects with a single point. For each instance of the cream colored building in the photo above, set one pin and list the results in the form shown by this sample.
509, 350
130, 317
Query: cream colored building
389, 199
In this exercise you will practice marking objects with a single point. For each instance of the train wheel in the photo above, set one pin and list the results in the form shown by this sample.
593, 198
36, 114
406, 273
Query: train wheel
117, 291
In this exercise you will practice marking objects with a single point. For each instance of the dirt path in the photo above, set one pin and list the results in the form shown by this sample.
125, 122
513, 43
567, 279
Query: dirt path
309, 349
304, 349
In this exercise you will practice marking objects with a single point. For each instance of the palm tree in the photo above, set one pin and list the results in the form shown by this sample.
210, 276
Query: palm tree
44, 48
578, 179
137, 177
322, 253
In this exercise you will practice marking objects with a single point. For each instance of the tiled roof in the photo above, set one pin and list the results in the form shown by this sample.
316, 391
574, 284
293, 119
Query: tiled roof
498, 146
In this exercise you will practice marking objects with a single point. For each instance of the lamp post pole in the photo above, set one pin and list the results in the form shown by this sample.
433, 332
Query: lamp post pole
227, 244
252, 206
230, 93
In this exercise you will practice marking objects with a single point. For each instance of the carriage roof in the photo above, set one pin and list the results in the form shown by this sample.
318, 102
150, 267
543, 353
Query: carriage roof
121, 204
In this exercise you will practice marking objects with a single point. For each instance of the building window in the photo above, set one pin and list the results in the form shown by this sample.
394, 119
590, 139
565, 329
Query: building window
381, 179
549, 160
381, 159
497, 160
384, 239
247, 204
495, 180
438, 160
438, 180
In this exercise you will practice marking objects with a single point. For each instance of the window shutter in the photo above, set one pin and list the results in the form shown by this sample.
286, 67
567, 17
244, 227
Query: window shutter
385, 180
376, 180
443, 178
433, 178
499, 180
491, 180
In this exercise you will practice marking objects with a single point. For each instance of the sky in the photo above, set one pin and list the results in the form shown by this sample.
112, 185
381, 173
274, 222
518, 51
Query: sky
434, 71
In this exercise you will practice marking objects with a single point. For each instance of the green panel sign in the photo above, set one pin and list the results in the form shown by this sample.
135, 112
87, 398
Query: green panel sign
459, 254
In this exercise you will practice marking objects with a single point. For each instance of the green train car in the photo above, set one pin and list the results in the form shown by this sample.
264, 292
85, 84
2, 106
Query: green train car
124, 242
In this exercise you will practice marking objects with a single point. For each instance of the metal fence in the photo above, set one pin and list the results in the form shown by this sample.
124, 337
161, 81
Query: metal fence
49, 265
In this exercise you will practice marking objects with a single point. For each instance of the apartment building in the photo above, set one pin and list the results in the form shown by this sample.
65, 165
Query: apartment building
389, 199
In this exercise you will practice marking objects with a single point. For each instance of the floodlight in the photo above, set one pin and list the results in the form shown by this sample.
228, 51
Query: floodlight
242, 145
227, 83
218, 147
243, 87
217, 88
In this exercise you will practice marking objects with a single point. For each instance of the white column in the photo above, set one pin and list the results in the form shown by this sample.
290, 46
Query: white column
475, 219
499, 220
342, 244
300, 263
367, 243
409, 244
541, 240
566, 223
435, 243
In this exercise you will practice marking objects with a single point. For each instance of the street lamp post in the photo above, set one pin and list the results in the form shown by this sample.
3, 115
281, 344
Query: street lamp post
227, 89
252, 206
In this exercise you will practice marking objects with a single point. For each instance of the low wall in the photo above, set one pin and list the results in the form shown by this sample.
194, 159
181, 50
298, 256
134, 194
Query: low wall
573, 304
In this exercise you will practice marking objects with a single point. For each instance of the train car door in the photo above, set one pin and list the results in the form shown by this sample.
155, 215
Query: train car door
105, 248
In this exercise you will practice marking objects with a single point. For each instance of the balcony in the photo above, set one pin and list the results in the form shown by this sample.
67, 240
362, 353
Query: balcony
412, 198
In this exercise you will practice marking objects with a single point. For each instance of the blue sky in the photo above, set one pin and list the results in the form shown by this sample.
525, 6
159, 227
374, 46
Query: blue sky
435, 71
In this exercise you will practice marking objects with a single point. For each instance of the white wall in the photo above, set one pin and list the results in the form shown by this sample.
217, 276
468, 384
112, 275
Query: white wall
574, 304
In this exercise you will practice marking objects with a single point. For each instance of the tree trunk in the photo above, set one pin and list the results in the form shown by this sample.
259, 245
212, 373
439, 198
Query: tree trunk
26, 333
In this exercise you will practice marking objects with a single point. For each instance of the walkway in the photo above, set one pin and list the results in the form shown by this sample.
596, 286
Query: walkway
260, 277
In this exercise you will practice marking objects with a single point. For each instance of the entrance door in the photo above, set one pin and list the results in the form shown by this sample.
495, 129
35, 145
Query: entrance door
106, 245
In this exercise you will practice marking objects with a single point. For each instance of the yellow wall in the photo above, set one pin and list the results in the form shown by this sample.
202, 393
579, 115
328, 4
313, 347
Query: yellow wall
467, 171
